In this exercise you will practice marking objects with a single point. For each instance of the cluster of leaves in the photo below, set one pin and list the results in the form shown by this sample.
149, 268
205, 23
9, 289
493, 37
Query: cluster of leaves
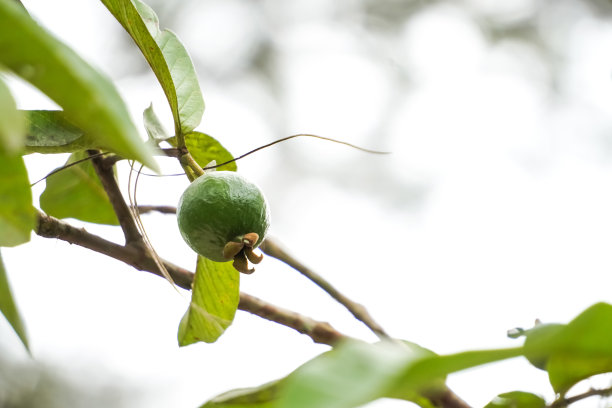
94, 117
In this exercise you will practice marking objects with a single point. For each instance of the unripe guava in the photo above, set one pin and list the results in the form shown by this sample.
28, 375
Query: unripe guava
222, 216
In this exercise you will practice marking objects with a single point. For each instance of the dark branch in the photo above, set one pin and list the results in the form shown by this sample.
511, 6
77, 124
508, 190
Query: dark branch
564, 402
136, 256
164, 209
125, 216
271, 248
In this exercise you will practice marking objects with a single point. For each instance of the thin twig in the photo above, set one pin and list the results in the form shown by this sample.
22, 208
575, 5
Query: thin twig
282, 139
564, 402
164, 209
270, 247
124, 214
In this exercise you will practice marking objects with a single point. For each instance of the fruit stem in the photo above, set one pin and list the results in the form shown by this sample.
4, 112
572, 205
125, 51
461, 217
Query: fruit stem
191, 167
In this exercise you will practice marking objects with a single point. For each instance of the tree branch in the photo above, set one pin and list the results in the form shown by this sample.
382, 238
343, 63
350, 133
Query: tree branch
126, 218
564, 402
136, 256
270, 247
164, 209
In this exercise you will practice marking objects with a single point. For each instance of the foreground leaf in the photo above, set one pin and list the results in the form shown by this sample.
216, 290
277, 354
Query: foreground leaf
350, 375
167, 57
89, 99
517, 399
263, 396
49, 131
12, 123
17, 215
205, 148
76, 192
214, 300
9, 309
582, 349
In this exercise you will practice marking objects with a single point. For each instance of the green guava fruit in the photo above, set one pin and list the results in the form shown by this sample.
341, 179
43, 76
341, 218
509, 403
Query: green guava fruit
222, 216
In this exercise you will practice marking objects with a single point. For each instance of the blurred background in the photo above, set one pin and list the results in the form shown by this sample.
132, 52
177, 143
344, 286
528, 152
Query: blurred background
493, 210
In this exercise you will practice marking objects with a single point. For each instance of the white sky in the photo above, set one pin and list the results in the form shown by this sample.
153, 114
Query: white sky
513, 222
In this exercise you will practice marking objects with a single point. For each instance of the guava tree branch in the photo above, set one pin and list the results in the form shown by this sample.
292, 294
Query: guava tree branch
138, 257
564, 402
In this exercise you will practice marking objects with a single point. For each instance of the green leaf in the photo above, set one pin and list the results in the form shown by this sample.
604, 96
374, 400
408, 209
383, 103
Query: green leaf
517, 399
153, 126
355, 373
9, 308
76, 192
167, 57
424, 371
50, 131
205, 148
214, 300
264, 396
88, 98
350, 375
17, 215
539, 341
582, 349
12, 124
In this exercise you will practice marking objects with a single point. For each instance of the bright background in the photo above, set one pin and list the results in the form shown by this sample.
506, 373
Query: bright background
493, 209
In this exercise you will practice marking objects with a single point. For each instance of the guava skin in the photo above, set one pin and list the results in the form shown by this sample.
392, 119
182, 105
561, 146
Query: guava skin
219, 207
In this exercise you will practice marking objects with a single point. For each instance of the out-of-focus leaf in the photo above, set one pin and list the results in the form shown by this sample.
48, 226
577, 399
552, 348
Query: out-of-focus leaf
9, 308
350, 375
17, 215
153, 126
167, 57
12, 124
426, 370
517, 399
539, 343
49, 131
263, 396
89, 99
205, 148
583, 348
214, 300
355, 373
76, 192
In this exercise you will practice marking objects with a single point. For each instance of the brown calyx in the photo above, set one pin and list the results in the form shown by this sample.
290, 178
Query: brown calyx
241, 250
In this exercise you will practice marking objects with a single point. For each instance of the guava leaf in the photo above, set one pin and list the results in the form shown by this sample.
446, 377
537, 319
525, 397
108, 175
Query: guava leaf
153, 126
540, 343
12, 123
50, 131
355, 373
517, 399
167, 57
263, 396
88, 98
9, 308
350, 375
17, 215
582, 349
76, 192
205, 148
214, 300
